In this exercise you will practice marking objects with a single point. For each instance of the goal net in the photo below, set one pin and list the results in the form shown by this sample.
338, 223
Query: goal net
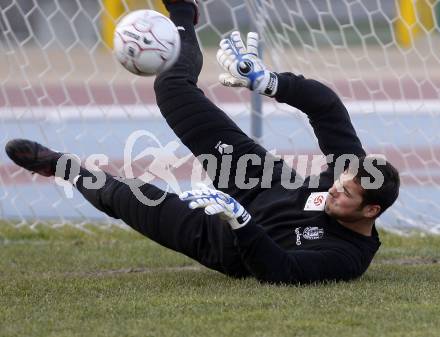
60, 85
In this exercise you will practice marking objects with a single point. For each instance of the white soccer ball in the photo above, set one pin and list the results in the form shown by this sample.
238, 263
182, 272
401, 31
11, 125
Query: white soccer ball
146, 42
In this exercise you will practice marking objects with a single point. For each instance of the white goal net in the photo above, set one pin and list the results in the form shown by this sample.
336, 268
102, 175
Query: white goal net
61, 86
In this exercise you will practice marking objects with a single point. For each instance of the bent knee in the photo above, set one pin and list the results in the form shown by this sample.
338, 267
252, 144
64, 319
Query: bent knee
169, 79
166, 81
168, 86
159, 84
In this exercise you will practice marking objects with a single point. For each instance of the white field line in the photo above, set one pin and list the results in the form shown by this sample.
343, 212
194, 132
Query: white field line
273, 109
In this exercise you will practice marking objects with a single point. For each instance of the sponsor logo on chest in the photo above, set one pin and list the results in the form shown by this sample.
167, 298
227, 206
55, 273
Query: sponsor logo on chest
309, 233
316, 201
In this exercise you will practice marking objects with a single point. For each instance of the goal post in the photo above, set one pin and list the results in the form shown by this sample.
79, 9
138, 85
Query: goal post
61, 85
415, 18
114, 9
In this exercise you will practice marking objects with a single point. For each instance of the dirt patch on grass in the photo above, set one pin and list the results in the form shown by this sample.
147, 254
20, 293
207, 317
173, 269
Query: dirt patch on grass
132, 270
392, 261
409, 261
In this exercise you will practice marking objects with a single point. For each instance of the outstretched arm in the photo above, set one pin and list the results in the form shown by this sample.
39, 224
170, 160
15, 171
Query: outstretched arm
328, 116
270, 263
264, 259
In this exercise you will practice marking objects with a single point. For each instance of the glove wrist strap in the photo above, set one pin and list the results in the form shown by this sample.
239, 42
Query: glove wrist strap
240, 221
269, 85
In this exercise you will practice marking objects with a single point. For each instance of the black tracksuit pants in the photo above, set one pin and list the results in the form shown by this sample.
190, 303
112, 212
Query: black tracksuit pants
200, 125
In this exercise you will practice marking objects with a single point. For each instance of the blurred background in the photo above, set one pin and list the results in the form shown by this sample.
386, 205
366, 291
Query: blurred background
61, 85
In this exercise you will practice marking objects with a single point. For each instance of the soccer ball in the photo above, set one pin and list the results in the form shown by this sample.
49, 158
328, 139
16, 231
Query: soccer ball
146, 42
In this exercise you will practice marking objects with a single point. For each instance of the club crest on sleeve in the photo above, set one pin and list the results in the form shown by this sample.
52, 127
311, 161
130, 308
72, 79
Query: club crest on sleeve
316, 201
309, 233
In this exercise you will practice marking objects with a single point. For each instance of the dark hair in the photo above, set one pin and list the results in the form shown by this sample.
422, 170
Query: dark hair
385, 194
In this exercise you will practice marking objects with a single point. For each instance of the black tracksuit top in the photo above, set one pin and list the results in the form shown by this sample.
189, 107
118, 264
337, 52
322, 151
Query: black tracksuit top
283, 243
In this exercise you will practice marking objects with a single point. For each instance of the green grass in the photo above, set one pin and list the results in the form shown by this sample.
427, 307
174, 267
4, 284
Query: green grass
67, 282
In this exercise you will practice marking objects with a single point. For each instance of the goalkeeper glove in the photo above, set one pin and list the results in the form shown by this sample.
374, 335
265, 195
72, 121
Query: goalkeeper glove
243, 66
217, 202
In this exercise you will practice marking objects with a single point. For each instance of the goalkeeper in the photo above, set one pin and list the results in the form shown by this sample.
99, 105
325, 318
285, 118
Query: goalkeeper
274, 234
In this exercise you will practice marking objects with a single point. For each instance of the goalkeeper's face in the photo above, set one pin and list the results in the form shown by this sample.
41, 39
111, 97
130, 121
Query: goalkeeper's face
344, 201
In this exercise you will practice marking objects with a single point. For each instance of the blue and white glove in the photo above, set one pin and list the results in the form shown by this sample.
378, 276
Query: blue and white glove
217, 202
243, 66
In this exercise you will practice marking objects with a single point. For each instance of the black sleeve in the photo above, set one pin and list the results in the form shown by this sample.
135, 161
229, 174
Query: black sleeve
327, 114
268, 262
